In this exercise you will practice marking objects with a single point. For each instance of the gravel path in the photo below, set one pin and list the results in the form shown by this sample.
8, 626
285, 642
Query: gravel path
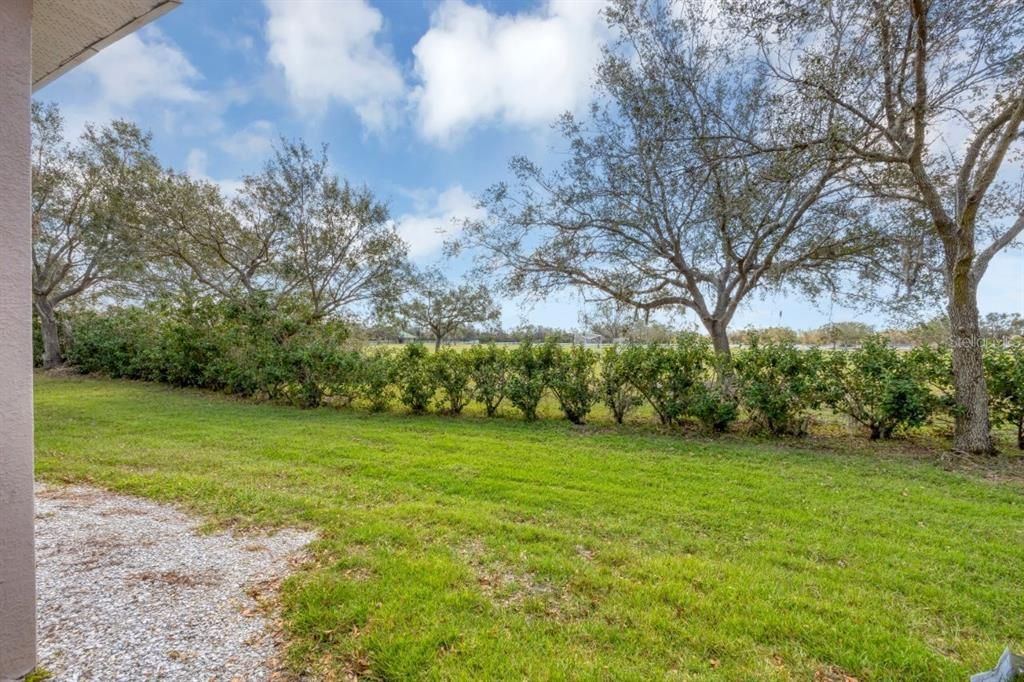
129, 591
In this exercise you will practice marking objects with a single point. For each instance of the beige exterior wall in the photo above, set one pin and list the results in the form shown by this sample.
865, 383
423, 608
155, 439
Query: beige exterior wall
17, 560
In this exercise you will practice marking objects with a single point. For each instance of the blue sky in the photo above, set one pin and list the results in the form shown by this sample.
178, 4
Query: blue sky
423, 101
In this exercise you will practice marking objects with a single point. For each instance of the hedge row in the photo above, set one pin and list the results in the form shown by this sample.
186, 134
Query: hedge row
252, 350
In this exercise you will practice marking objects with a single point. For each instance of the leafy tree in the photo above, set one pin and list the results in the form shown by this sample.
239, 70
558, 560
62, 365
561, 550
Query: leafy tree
898, 76
538, 333
683, 188
777, 334
931, 332
844, 334
293, 232
611, 320
434, 304
200, 243
1002, 326
86, 199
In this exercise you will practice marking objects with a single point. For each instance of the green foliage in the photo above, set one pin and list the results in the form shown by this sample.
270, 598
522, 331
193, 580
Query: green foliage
374, 379
489, 365
651, 370
571, 376
935, 365
1004, 365
614, 385
248, 347
453, 372
879, 387
669, 377
190, 342
312, 355
714, 406
779, 385
341, 376
114, 343
244, 347
526, 378
414, 377
37, 341
38, 675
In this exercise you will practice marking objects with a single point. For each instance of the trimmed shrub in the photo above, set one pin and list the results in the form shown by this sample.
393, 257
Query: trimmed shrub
310, 357
190, 342
414, 378
452, 373
669, 377
1005, 368
341, 376
779, 385
526, 378
878, 387
374, 379
935, 365
489, 366
571, 377
714, 406
113, 342
651, 370
614, 385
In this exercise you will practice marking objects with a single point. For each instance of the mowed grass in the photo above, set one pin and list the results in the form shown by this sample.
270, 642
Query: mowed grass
466, 548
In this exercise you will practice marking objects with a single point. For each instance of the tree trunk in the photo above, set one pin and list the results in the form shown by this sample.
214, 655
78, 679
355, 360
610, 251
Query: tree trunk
718, 330
1020, 432
437, 343
50, 331
719, 337
971, 432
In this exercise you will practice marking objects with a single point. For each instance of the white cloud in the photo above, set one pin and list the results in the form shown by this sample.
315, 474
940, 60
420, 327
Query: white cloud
329, 51
195, 163
143, 66
144, 77
526, 69
251, 142
426, 231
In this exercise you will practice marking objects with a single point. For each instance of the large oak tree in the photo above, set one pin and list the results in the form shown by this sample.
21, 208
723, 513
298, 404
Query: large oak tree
686, 187
294, 231
929, 97
86, 199
433, 303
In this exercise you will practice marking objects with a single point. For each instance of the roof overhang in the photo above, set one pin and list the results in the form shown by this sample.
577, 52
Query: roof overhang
65, 33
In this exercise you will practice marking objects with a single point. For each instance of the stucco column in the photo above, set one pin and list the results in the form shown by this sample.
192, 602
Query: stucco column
17, 556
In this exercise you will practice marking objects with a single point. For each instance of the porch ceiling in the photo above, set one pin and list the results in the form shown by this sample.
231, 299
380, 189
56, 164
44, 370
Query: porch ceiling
67, 32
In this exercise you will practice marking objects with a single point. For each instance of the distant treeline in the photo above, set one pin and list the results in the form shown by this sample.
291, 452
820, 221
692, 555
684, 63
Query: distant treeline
846, 334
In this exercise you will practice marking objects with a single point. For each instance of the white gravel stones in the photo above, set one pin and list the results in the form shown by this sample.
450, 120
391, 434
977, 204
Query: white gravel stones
128, 590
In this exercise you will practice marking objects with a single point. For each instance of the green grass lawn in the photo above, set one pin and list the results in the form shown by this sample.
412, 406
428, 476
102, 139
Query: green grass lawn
469, 549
